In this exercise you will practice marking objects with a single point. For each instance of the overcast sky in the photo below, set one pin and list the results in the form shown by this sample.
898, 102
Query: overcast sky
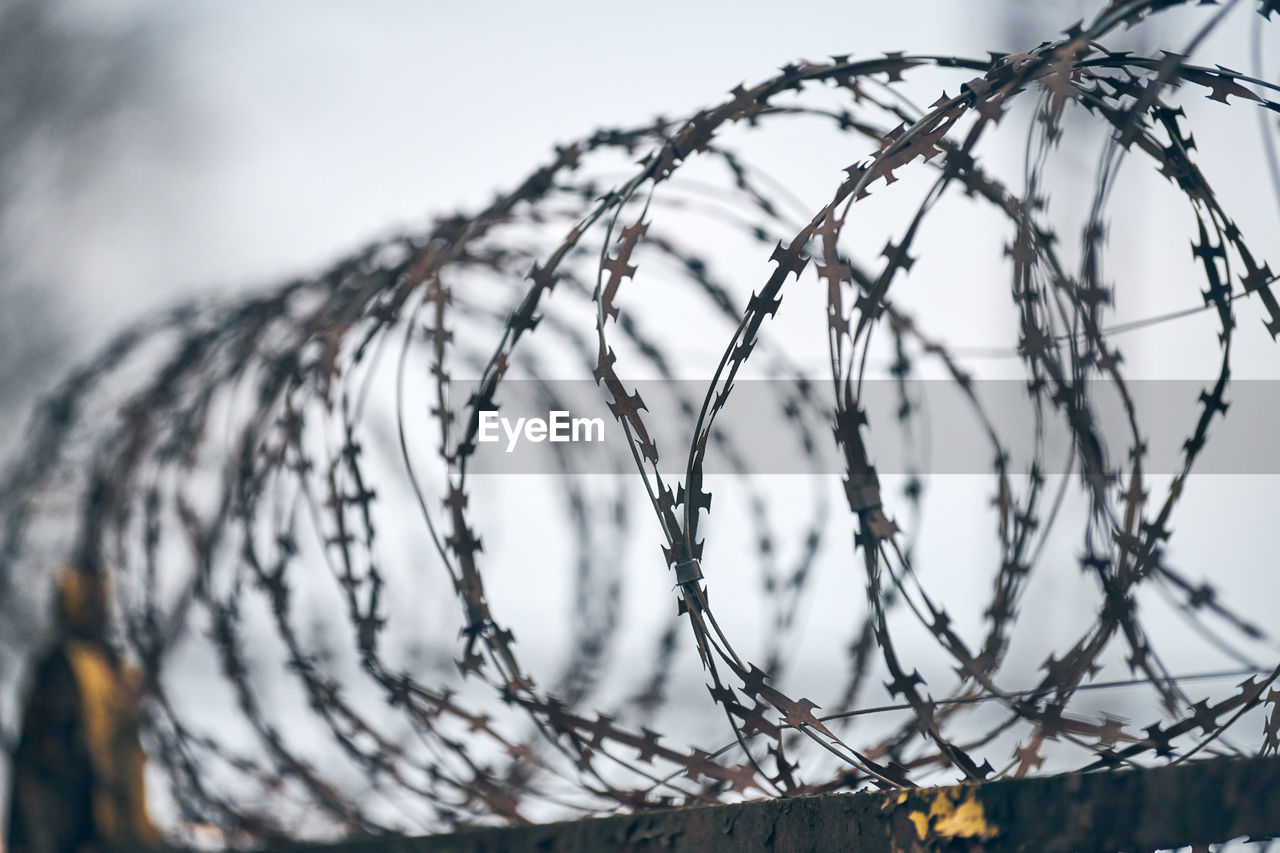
276, 137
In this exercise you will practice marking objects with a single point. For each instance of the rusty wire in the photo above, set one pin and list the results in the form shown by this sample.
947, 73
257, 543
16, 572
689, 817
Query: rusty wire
268, 461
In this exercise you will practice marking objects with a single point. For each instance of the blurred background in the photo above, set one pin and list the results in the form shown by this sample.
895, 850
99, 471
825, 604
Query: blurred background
153, 152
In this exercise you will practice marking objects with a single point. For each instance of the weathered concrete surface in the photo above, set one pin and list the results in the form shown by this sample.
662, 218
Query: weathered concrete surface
1194, 803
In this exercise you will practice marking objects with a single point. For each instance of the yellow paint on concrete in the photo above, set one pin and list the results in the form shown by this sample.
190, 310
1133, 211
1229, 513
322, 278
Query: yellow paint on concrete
108, 694
889, 801
962, 817
967, 821
99, 702
921, 822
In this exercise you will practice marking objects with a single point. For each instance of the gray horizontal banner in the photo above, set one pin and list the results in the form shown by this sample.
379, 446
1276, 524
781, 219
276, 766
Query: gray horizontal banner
786, 427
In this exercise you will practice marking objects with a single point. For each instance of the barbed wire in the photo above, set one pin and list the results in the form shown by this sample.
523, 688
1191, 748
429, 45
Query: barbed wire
305, 453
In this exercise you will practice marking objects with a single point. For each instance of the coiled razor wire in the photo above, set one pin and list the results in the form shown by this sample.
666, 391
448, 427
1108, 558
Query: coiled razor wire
307, 452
